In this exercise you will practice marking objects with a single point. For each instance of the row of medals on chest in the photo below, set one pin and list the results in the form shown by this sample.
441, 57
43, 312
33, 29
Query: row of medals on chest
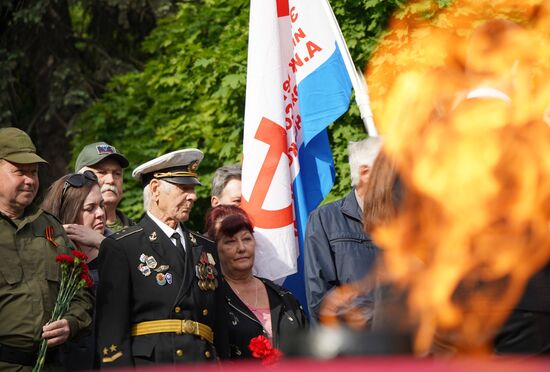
205, 271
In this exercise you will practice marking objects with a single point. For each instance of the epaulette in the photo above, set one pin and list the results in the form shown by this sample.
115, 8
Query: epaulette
201, 237
127, 231
46, 213
49, 221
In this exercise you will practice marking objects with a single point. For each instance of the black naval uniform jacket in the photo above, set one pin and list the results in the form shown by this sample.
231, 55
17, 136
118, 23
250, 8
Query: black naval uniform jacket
126, 296
287, 317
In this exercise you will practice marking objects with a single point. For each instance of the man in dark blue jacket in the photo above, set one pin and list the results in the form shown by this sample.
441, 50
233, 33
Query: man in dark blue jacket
337, 250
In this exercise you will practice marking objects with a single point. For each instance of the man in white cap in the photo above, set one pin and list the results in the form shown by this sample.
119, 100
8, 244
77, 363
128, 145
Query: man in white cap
158, 295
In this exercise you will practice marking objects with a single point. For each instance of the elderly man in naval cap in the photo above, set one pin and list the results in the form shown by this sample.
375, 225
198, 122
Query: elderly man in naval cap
159, 292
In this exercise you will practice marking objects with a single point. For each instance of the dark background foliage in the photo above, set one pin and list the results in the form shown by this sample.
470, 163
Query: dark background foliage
56, 57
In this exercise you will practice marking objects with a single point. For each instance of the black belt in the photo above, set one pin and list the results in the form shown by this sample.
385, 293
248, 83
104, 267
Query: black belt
14, 355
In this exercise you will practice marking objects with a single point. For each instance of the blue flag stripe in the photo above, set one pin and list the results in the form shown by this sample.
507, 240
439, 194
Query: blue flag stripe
324, 95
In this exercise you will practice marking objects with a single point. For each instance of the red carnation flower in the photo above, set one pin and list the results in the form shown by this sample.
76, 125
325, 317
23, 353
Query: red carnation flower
88, 279
84, 268
272, 358
65, 258
261, 348
74, 277
80, 255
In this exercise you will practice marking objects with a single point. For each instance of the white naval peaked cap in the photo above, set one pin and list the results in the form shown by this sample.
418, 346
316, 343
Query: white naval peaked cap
179, 167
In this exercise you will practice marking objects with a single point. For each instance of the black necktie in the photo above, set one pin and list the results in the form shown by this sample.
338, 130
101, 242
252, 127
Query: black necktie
179, 246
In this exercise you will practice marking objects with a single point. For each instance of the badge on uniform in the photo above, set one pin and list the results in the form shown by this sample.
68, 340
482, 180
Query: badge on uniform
149, 264
168, 278
206, 272
161, 279
145, 270
162, 268
111, 353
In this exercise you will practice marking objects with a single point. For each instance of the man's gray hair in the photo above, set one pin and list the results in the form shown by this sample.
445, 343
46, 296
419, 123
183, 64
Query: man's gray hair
223, 175
362, 153
148, 195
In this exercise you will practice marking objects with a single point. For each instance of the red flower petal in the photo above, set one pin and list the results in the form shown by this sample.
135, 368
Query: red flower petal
65, 258
272, 358
79, 254
261, 348
88, 279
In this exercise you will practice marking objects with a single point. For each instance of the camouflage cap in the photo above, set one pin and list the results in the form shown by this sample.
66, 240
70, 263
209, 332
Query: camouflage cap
16, 146
95, 152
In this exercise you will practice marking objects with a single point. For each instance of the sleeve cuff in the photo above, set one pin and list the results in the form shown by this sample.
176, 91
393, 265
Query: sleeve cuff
73, 326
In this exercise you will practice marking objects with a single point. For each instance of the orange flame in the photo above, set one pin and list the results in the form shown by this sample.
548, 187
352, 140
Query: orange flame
476, 171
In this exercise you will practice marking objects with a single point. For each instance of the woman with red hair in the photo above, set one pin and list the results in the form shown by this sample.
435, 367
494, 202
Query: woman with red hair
255, 306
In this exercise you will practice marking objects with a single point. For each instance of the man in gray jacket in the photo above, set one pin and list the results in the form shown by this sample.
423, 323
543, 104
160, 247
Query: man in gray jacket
337, 250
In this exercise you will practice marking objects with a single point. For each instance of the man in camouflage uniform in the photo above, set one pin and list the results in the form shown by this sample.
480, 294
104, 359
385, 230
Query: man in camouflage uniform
30, 240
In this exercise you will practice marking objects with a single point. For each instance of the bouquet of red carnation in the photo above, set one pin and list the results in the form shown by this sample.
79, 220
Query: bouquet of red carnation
74, 275
261, 348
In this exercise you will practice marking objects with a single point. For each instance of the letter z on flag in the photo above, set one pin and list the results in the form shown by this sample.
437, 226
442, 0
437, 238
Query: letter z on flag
297, 84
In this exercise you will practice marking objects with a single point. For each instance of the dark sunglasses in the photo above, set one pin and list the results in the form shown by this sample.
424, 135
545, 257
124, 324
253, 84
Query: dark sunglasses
78, 180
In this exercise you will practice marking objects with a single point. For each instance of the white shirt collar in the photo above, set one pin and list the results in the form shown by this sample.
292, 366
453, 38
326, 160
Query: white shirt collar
167, 229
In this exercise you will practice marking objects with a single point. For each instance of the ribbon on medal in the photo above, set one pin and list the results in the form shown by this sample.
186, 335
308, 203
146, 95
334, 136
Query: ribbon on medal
206, 272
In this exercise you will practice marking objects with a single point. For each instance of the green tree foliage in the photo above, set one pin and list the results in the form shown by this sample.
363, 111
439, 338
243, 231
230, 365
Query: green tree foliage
191, 92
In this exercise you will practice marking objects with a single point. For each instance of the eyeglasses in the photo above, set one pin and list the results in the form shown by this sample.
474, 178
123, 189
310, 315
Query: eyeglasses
78, 180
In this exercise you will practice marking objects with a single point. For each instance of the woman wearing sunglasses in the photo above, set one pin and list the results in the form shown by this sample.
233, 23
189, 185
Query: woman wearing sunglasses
75, 199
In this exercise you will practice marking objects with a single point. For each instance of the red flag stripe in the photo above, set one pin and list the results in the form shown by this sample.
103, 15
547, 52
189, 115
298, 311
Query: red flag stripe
282, 8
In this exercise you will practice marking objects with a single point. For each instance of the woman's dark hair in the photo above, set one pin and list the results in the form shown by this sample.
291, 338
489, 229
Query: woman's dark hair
226, 220
65, 202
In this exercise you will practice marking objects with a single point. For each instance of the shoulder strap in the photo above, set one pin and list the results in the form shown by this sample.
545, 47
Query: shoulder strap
200, 237
127, 231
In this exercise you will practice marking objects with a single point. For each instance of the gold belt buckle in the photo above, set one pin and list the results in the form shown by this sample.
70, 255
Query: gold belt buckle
190, 326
